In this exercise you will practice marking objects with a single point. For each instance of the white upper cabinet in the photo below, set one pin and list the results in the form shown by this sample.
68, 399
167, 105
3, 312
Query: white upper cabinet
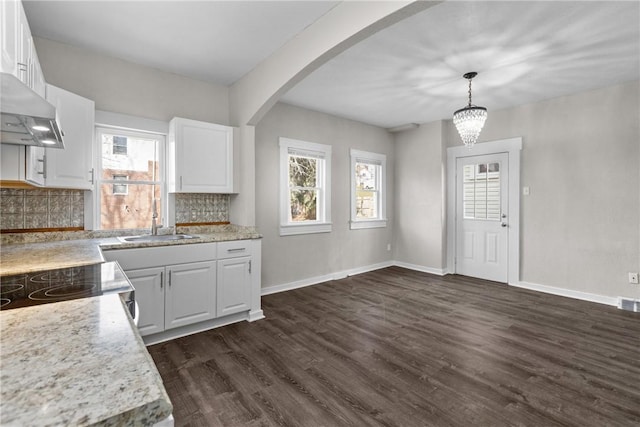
9, 35
38, 84
73, 166
18, 51
200, 157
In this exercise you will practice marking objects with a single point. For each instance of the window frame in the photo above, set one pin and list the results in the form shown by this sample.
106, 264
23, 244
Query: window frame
380, 160
121, 147
129, 133
321, 152
126, 186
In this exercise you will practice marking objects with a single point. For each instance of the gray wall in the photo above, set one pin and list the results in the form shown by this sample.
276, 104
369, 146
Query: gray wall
420, 222
293, 258
128, 88
580, 226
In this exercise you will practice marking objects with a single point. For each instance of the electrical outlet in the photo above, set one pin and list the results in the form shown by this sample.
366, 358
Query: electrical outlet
633, 278
388, 246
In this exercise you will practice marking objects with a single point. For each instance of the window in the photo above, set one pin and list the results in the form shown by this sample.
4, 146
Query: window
134, 157
120, 145
122, 189
481, 191
368, 198
305, 187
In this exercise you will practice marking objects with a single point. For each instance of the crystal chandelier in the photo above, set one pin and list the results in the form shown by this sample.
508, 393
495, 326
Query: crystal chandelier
470, 119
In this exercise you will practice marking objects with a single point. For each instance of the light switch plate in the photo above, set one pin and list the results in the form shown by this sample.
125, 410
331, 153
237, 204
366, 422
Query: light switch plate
525, 191
633, 278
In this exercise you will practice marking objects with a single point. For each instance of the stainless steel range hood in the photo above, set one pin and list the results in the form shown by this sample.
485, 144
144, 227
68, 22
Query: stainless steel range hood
27, 118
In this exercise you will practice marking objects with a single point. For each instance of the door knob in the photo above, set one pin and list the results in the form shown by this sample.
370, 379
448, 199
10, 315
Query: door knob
504, 224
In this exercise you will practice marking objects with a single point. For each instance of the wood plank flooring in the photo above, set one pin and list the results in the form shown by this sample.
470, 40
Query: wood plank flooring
396, 347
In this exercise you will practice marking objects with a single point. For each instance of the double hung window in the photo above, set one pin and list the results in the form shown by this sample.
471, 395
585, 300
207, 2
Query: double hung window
368, 197
305, 198
130, 179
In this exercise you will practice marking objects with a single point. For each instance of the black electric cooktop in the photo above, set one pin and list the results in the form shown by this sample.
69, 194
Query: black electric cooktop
50, 286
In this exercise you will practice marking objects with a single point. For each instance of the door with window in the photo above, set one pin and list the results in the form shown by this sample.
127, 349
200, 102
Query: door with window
482, 228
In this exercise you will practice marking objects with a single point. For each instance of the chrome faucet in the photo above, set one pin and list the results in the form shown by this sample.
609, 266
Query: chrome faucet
154, 217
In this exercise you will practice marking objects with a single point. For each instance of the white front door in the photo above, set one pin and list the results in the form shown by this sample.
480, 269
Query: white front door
482, 216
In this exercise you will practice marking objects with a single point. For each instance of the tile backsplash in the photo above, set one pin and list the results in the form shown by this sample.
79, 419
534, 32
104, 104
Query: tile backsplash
23, 209
201, 208
40, 208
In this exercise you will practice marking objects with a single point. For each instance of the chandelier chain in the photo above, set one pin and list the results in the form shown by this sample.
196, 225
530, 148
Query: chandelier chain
469, 92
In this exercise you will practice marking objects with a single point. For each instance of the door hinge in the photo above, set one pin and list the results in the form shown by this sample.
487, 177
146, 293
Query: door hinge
249, 266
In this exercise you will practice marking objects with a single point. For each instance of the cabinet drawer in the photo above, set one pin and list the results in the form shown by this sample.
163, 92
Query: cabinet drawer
234, 248
160, 256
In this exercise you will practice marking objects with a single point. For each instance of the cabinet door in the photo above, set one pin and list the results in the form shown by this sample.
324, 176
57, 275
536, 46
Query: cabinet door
8, 36
203, 156
190, 293
38, 84
23, 57
234, 285
36, 170
73, 166
149, 295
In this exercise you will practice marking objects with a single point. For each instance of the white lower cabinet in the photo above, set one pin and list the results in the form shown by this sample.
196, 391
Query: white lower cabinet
149, 294
187, 288
234, 285
190, 295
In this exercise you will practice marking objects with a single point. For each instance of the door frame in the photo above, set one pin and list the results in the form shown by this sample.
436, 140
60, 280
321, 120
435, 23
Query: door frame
512, 147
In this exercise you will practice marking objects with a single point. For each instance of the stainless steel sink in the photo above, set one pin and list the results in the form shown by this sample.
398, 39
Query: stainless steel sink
156, 238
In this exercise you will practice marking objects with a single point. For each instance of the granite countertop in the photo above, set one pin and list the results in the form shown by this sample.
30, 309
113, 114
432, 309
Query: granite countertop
77, 362
45, 251
81, 362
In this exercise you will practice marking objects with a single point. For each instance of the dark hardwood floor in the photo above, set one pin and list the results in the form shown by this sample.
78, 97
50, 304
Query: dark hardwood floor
396, 347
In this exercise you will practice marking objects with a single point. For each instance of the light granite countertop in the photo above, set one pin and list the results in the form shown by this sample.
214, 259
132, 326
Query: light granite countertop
81, 362
46, 251
77, 362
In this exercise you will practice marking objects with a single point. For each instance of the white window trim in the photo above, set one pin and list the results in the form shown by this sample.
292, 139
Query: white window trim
126, 184
97, 200
323, 224
367, 157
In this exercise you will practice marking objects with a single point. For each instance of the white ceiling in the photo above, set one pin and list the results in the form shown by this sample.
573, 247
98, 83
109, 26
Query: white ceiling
408, 73
214, 41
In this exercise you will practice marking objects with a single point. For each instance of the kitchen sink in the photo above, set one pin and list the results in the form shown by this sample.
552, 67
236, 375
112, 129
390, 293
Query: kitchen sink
156, 238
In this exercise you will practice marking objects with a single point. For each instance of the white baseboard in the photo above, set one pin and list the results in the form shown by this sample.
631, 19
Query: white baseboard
346, 273
585, 296
424, 269
324, 278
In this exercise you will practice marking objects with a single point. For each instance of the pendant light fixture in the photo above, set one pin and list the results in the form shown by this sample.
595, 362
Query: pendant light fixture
470, 119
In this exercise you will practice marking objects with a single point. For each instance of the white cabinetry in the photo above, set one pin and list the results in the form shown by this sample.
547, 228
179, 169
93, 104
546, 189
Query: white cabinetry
190, 296
183, 289
20, 163
38, 83
51, 167
149, 293
73, 166
174, 295
177, 284
234, 277
200, 157
9, 35
19, 55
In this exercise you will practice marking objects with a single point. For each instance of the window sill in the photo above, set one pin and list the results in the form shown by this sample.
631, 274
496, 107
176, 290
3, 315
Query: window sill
361, 224
293, 229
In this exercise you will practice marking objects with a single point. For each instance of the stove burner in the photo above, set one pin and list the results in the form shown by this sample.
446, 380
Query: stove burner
10, 288
63, 284
61, 292
53, 276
